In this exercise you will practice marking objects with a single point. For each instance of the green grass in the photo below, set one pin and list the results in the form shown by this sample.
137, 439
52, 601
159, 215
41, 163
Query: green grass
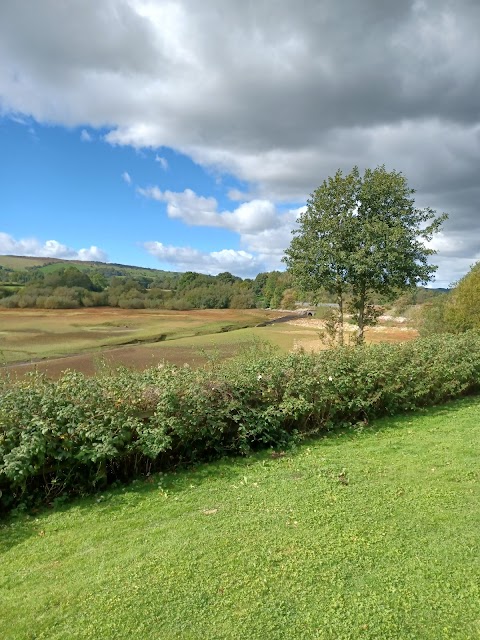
371, 534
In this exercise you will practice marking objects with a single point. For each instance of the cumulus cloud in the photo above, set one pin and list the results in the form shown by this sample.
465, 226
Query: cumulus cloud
49, 249
276, 96
456, 254
187, 259
126, 177
249, 217
264, 231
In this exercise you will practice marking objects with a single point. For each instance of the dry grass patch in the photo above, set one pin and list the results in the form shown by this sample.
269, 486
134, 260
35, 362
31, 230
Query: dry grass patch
29, 334
54, 340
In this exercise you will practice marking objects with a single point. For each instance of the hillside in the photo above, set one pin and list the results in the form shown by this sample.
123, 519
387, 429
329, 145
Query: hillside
45, 283
30, 262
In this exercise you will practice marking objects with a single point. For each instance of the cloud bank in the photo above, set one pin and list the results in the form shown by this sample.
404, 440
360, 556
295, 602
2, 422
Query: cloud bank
187, 259
48, 249
264, 232
279, 101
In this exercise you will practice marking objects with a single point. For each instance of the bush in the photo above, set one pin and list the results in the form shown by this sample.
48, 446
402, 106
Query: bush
11, 302
95, 299
244, 300
457, 311
433, 317
79, 434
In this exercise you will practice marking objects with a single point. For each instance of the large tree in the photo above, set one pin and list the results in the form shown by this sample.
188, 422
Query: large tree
360, 236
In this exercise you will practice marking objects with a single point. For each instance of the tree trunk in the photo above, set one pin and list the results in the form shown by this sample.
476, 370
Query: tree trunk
340, 318
361, 316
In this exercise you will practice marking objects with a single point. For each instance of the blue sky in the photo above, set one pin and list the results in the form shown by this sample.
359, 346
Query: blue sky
188, 135
72, 186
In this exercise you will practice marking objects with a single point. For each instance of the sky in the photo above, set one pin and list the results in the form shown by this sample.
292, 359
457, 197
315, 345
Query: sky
187, 135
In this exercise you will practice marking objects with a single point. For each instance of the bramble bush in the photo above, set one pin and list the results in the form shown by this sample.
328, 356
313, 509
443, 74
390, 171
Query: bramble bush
78, 434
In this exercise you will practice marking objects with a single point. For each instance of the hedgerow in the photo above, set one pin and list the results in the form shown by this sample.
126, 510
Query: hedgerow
79, 434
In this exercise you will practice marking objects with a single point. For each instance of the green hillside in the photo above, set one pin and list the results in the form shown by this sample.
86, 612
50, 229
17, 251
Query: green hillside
51, 264
62, 284
24, 262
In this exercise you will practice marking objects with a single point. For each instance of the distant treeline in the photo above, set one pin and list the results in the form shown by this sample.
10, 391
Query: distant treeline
64, 286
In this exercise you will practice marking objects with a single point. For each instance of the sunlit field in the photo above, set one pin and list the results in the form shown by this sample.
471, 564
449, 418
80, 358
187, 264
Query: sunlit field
84, 339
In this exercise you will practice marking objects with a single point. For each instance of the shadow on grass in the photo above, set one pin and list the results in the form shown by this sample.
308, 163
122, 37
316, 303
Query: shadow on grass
19, 527
396, 421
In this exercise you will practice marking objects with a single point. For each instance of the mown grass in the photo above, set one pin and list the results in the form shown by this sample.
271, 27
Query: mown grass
363, 534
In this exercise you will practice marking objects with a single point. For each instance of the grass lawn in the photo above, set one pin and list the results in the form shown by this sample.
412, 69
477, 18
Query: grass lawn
372, 534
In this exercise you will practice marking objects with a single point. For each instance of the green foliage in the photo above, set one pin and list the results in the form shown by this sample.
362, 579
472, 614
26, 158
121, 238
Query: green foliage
360, 237
78, 434
289, 298
463, 311
457, 311
68, 277
57, 286
432, 319
271, 287
243, 300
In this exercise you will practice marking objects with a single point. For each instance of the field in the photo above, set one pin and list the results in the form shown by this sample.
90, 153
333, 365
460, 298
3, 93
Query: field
24, 262
33, 334
54, 340
371, 534
48, 264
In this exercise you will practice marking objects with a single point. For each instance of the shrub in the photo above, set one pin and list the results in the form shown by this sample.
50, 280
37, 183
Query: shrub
79, 434
11, 302
244, 300
433, 317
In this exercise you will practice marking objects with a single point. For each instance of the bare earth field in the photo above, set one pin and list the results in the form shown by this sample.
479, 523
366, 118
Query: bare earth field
85, 339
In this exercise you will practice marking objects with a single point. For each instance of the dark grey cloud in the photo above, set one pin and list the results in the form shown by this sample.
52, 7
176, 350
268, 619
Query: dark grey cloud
279, 93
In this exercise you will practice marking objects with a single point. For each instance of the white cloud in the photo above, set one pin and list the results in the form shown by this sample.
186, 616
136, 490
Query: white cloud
270, 244
153, 193
49, 249
162, 162
237, 196
240, 263
264, 232
85, 136
451, 269
450, 258
92, 254
249, 217
447, 245
126, 177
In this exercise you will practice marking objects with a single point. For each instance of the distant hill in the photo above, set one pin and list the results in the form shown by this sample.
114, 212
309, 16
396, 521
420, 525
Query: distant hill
52, 283
50, 264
